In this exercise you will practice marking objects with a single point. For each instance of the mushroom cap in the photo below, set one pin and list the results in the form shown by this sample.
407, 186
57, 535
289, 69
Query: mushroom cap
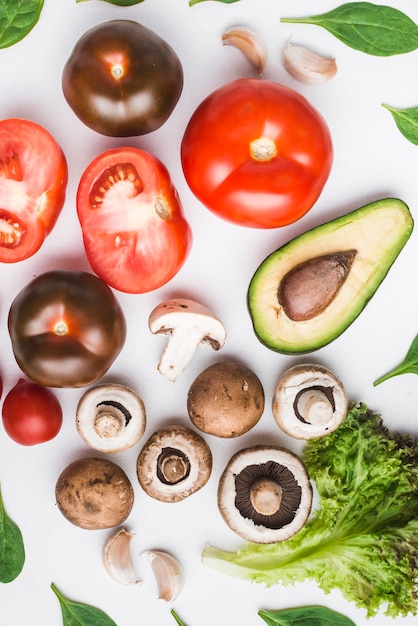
174, 463
264, 494
185, 313
94, 493
110, 417
309, 401
225, 400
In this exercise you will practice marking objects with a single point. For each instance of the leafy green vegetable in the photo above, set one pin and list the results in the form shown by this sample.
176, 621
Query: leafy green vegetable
408, 366
193, 2
375, 29
305, 616
120, 3
363, 538
17, 18
407, 122
12, 550
177, 618
78, 614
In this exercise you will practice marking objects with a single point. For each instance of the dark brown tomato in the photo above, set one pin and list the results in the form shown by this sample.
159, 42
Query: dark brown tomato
66, 328
122, 79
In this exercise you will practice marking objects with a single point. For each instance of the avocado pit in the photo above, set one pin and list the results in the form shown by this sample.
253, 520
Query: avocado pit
309, 288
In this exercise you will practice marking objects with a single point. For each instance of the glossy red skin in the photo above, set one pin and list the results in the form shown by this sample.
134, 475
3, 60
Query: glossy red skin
66, 329
137, 239
122, 79
31, 413
221, 172
33, 182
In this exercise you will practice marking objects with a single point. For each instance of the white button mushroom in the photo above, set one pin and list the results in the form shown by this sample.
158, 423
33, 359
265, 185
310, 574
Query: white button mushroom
188, 324
309, 401
264, 494
110, 417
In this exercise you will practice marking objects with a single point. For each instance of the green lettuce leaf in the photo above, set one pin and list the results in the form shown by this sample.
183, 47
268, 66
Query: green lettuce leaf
363, 539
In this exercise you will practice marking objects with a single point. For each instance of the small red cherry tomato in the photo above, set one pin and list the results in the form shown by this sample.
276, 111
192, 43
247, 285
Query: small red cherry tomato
31, 413
256, 153
33, 181
66, 328
135, 234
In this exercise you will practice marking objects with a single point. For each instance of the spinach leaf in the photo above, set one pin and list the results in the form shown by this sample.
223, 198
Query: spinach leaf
408, 366
17, 18
407, 122
177, 618
193, 2
305, 616
371, 28
120, 3
12, 550
78, 614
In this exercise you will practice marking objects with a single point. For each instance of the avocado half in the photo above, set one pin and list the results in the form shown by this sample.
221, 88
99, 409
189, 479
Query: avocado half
306, 293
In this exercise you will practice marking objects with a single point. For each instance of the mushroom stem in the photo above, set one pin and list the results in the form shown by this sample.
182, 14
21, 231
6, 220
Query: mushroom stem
107, 424
266, 496
314, 407
180, 350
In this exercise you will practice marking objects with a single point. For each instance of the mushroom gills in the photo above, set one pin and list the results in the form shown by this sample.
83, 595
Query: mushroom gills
267, 494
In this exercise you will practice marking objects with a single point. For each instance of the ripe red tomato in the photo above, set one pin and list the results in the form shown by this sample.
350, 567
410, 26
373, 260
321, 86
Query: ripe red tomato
66, 328
31, 413
122, 79
33, 181
256, 153
135, 234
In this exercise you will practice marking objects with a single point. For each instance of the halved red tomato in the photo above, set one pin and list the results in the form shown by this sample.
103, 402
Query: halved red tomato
33, 182
135, 234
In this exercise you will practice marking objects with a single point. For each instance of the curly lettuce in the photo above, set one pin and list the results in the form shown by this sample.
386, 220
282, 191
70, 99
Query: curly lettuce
363, 538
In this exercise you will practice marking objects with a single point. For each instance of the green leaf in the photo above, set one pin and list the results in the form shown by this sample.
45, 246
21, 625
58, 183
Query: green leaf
177, 618
407, 122
193, 2
17, 18
371, 28
120, 3
12, 550
408, 366
305, 616
78, 614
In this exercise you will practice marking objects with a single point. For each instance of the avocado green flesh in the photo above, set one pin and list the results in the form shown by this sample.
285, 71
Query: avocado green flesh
377, 232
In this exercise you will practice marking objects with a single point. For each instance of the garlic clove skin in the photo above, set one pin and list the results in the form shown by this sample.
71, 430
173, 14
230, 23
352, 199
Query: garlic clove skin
168, 573
307, 66
117, 558
250, 44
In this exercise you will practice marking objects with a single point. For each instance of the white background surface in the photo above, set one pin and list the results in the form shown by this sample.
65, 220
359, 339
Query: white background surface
372, 160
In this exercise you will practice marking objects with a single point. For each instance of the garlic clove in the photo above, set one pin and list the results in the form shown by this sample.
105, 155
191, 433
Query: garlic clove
249, 43
168, 573
307, 66
117, 558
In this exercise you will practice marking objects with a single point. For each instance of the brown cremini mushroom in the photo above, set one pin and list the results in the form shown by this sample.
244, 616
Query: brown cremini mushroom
110, 417
174, 463
94, 493
226, 399
188, 324
264, 494
309, 401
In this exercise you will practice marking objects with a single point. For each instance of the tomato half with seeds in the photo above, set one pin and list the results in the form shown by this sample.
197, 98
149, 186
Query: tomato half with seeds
134, 230
257, 153
33, 181
66, 328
